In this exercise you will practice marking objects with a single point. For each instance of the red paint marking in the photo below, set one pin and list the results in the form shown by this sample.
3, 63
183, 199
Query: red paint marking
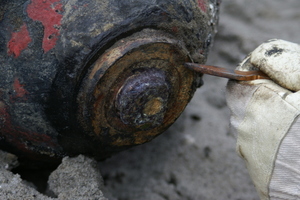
19, 89
46, 11
18, 137
202, 5
19, 41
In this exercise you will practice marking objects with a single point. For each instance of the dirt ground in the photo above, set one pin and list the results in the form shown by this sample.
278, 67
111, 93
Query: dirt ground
195, 159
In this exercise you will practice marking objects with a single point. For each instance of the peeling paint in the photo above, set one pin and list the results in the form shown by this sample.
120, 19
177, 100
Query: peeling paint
202, 5
19, 89
19, 41
48, 13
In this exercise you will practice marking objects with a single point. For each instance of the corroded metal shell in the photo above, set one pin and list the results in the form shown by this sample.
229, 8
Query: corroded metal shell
96, 77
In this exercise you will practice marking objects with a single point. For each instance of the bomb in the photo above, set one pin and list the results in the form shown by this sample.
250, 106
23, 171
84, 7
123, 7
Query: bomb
96, 77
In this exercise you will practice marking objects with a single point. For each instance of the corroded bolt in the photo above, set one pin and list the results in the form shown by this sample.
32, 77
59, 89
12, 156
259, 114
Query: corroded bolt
142, 100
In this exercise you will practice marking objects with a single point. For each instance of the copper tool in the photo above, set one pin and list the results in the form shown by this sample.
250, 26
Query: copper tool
227, 73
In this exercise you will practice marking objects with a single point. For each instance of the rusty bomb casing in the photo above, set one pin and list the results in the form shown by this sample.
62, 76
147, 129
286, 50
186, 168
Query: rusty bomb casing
96, 77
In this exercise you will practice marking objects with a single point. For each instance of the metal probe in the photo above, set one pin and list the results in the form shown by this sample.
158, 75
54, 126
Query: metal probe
226, 73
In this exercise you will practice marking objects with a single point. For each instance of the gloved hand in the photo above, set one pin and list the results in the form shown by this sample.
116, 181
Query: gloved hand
265, 119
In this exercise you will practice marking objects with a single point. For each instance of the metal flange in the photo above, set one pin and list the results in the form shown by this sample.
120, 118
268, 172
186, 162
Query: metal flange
135, 90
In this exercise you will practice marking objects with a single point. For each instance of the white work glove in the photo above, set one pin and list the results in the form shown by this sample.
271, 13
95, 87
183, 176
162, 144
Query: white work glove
265, 119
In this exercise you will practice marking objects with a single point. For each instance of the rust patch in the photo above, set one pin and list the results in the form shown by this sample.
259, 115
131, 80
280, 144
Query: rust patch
153, 106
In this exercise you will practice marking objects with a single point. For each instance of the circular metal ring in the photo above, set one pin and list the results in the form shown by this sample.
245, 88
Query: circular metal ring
135, 90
